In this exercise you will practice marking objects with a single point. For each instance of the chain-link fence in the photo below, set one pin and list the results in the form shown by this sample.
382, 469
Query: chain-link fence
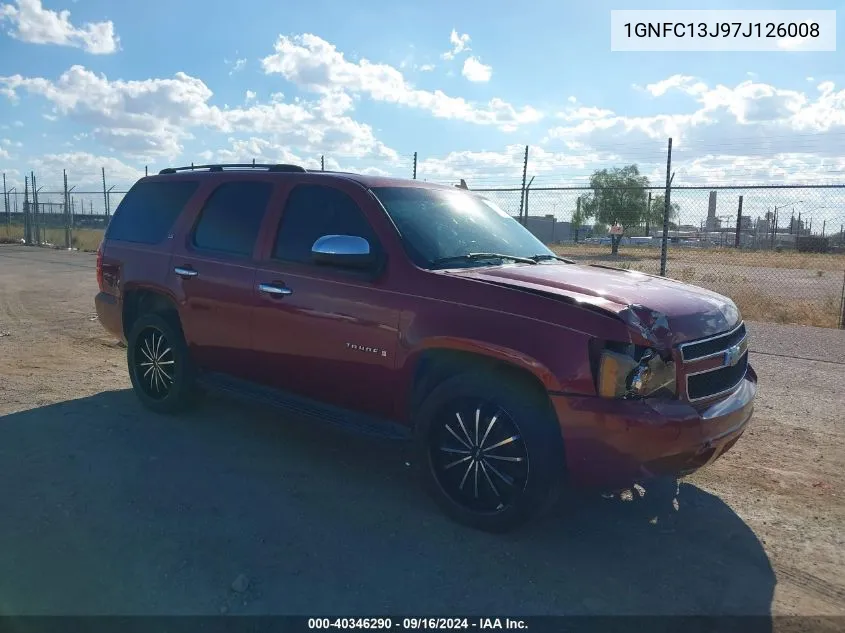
777, 250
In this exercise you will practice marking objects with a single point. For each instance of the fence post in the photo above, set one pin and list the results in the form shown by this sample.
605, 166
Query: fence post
738, 222
415, 165
106, 196
666, 208
522, 196
27, 224
66, 213
6, 208
36, 214
842, 305
648, 216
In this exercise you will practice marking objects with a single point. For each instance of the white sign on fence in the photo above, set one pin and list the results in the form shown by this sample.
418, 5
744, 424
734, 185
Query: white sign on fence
616, 230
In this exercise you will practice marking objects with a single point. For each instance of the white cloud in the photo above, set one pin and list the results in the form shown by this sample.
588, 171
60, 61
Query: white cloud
426, 68
18, 123
750, 132
314, 64
572, 99
4, 154
84, 169
250, 96
684, 83
153, 117
460, 43
236, 65
31, 22
475, 71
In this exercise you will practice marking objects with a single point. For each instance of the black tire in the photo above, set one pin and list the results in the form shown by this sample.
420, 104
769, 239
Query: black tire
160, 367
480, 495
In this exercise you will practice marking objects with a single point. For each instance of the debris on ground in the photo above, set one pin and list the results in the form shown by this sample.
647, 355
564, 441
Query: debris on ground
241, 584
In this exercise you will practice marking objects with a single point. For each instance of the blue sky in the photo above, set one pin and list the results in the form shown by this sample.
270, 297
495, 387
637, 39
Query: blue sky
123, 85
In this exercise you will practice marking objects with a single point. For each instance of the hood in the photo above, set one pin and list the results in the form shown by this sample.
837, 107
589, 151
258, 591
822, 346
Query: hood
663, 311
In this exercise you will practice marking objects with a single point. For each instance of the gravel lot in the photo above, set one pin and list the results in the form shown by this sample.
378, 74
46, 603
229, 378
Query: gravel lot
109, 509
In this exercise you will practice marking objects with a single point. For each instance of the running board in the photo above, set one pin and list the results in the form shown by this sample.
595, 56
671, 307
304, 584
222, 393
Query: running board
340, 418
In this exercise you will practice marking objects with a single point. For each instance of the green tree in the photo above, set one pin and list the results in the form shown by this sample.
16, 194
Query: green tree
618, 197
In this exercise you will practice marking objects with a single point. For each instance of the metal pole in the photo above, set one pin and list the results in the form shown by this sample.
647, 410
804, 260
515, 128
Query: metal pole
37, 214
648, 216
842, 305
524, 175
322, 163
146, 171
27, 221
578, 212
415, 165
824, 224
527, 189
738, 222
666, 207
67, 213
106, 195
6, 208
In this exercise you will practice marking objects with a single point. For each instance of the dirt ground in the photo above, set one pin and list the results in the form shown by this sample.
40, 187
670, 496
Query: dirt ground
106, 508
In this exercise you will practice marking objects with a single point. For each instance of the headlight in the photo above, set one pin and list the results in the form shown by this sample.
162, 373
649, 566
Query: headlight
622, 375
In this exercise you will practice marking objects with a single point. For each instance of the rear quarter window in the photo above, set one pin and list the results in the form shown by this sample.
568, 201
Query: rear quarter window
147, 213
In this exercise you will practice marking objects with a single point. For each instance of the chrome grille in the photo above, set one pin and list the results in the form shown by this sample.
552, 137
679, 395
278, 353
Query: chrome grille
716, 365
712, 383
706, 348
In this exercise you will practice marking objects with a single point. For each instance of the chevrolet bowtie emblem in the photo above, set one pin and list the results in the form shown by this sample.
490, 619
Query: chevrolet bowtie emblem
734, 354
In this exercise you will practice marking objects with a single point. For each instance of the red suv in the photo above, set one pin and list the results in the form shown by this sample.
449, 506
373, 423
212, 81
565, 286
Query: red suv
414, 310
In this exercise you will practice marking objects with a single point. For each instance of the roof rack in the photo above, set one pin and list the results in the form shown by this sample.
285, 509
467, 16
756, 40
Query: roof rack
222, 166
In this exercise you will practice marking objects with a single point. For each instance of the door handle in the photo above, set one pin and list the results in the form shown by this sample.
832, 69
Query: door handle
274, 290
185, 273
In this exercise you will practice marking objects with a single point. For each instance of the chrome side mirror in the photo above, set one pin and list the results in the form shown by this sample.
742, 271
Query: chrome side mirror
344, 251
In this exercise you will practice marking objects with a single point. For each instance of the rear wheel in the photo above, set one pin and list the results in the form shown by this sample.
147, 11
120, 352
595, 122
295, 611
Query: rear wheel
160, 366
489, 451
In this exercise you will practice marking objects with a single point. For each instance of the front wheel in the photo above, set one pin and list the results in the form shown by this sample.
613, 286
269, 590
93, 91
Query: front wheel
489, 451
160, 366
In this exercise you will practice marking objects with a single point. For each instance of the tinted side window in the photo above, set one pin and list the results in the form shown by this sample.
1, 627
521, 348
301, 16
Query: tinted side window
230, 220
148, 211
313, 211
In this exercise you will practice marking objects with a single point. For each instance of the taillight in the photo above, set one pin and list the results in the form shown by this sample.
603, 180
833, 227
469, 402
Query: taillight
100, 267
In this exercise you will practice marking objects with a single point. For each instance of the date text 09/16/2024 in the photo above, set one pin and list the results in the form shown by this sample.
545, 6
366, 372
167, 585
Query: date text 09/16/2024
417, 624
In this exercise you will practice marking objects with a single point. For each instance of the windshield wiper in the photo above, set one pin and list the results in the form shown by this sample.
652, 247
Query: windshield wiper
470, 257
544, 257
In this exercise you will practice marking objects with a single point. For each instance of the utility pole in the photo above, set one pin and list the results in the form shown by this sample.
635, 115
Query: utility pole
415, 165
322, 163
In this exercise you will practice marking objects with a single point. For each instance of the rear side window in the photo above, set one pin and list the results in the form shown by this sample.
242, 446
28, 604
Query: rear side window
231, 218
147, 213
313, 211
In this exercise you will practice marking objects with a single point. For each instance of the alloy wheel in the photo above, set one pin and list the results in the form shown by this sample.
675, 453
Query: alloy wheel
478, 456
154, 363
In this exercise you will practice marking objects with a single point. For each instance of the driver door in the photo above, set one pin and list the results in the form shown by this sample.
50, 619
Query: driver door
323, 332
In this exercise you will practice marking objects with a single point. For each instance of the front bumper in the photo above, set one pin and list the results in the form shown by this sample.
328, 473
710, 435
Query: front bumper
614, 443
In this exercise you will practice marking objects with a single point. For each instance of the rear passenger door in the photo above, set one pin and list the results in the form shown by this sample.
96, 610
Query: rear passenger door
213, 272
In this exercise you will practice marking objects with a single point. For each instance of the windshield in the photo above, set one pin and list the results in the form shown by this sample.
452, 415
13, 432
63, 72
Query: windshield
439, 227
